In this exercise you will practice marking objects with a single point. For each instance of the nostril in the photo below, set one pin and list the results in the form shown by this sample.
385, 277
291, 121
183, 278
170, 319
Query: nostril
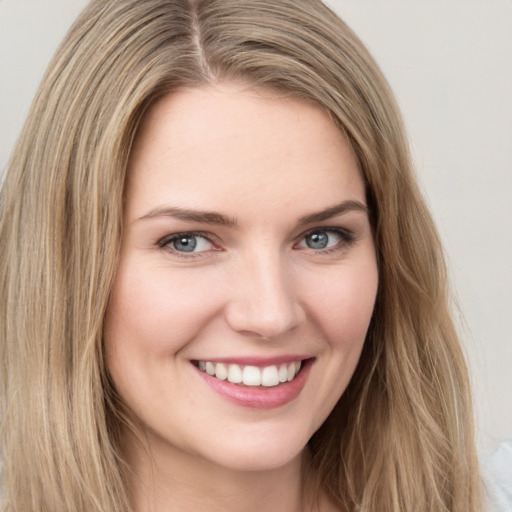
263, 324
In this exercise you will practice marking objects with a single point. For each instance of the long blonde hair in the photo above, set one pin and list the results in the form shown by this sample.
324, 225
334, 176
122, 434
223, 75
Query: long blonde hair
400, 438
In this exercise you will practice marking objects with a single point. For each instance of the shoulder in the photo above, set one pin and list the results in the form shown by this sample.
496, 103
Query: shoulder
497, 475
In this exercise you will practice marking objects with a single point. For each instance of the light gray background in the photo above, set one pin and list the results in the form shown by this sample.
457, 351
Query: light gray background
450, 64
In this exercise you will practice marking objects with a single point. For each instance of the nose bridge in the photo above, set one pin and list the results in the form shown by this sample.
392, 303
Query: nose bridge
263, 301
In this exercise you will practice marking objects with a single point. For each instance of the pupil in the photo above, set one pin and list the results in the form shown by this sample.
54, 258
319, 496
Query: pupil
317, 240
185, 244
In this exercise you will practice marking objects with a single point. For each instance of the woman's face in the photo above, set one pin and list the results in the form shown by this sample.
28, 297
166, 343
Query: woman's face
247, 252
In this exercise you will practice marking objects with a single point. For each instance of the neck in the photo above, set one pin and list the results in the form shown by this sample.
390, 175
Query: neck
166, 479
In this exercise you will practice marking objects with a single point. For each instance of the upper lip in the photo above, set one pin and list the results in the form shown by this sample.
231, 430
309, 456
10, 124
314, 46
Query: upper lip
257, 361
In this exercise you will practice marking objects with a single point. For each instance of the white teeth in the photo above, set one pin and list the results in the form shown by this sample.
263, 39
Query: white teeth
267, 376
291, 371
283, 373
251, 376
221, 372
210, 368
234, 374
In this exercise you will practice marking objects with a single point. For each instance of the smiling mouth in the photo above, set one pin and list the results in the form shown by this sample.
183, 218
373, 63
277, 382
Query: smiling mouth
249, 375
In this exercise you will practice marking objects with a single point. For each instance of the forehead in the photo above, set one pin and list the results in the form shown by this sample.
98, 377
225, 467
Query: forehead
234, 146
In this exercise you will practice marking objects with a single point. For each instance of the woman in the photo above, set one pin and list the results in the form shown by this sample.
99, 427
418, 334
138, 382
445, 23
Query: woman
232, 294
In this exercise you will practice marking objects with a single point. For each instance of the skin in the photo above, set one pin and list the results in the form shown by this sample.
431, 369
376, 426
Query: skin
252, 288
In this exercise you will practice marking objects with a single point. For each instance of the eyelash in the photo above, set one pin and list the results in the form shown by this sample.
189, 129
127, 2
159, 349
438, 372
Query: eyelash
347, 238
169, 239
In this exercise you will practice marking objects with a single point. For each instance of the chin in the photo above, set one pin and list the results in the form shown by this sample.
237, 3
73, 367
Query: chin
255, 451
256, 459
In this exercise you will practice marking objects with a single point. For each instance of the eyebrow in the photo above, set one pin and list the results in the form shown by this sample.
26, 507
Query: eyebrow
333, 211
215, 218
202, 217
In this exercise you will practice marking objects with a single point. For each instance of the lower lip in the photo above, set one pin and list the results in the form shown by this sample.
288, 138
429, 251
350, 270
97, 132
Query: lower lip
259, 397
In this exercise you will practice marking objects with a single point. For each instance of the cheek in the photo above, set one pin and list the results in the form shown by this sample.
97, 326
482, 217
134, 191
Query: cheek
152, 315
343, 307
153, 311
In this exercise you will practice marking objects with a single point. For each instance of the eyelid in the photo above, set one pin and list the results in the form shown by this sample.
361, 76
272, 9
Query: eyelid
164, 242
347, 236
348, 233
173, 236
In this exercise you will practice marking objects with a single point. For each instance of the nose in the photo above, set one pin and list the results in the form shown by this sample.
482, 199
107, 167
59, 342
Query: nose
263, 302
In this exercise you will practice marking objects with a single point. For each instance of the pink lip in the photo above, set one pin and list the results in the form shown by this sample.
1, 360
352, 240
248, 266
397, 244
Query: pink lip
259, 397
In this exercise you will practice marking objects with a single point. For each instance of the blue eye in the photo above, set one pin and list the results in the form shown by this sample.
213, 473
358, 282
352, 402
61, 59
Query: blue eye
322, 239
186, 243
317, 240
